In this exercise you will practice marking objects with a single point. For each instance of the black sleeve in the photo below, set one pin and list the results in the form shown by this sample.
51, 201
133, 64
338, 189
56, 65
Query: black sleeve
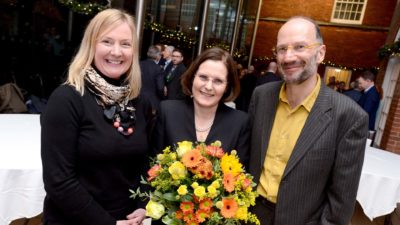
61, 123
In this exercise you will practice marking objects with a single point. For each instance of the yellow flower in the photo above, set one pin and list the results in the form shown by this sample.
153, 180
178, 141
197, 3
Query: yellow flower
241, 213
219, 204
230, 164
195, 185
212, 192
183, 147
177, 170
216, 184
182, 190
160, 157
172, 155
200, 191
154, 210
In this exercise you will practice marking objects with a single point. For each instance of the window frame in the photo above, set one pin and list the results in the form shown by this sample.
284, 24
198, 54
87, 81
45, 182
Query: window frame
362, 3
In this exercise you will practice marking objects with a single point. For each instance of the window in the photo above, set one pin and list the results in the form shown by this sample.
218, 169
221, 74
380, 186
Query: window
348, 11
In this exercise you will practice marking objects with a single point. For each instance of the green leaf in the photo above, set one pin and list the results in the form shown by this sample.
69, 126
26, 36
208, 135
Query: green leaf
170, 197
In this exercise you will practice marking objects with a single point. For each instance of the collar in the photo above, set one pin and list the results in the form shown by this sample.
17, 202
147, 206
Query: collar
308, 102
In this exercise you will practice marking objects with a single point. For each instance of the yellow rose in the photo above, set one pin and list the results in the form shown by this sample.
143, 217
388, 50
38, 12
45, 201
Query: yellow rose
183, 147
212, 192
194, 185
154, 210
219, 204
177, 170
160, 157
216, 184
182, 190
200, 191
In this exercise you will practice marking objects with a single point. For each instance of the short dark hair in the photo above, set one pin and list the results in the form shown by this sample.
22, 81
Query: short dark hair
177, 50
215, 54
368, 75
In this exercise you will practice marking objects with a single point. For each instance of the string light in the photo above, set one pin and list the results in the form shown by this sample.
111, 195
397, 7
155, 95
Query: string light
83, 8
390, 50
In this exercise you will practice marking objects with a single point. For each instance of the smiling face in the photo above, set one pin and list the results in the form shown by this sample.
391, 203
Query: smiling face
209, 83
297, 64
114, 51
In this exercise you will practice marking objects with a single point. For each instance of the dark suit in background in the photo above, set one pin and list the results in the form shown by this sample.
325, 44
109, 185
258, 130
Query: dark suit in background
173, 82
176, 123
323, 171
152, 82
266, 78
369, 101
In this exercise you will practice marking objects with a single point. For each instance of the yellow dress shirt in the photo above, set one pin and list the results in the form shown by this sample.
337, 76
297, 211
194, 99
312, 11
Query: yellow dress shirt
286, 130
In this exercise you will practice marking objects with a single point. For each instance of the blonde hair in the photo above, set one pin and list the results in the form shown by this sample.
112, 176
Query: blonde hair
103, 22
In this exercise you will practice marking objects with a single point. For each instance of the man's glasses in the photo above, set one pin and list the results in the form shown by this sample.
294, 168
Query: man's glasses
297, 48
216, 82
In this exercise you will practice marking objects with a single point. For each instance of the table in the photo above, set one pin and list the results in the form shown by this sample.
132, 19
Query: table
379, 188
21, 185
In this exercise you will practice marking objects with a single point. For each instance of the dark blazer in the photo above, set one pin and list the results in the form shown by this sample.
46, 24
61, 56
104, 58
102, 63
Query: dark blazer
369, 101
174, 88
268, 77
152, 82
176, 123
320, 182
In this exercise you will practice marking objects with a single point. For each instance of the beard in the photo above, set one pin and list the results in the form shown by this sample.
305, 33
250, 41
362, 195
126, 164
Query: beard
309, 69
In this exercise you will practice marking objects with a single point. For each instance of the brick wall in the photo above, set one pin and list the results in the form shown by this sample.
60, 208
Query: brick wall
351, 47
391, 135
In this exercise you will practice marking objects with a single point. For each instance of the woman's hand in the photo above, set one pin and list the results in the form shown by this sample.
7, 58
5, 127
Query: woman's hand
137, 217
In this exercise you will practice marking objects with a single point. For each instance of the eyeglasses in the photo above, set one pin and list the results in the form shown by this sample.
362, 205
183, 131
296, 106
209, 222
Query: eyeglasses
216, 82
297, 48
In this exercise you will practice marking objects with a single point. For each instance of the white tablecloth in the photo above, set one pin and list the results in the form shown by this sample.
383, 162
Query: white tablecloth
21, 185
379, 188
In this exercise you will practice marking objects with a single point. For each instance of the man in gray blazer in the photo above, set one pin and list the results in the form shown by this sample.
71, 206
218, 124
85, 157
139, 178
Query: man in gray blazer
307, 145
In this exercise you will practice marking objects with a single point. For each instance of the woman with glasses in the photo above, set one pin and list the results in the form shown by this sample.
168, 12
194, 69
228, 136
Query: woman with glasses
94, 130
210, 81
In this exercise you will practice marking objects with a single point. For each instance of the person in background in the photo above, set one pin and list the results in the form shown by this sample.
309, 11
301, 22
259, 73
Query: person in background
308, 141
355, 92
270, 75
152, 78
370, 98
202, 116
161, 61
167, 56
341, 87
95, 130
172, 87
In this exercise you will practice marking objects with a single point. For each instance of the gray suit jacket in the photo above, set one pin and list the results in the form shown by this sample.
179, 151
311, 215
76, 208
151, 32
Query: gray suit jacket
320, 181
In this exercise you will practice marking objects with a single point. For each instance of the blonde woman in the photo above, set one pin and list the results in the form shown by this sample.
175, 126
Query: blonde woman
94, 130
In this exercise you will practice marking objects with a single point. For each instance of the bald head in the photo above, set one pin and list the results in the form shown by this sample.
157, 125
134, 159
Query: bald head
311, 22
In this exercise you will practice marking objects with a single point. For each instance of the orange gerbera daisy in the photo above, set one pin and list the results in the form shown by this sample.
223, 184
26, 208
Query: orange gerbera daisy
206, 204
192, 222
189, 217
153, 172
229, 182
187, 207
192, 158
229, 207
215, 151
205, 169
179, 214
202, 215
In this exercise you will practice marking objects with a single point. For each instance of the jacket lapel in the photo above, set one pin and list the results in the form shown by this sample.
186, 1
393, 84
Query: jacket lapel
316, 123
267, 120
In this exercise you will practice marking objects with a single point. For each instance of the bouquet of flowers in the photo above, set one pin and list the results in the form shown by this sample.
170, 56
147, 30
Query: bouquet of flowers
200, 184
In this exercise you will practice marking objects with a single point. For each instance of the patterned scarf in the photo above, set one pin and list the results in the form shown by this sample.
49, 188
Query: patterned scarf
106, 94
